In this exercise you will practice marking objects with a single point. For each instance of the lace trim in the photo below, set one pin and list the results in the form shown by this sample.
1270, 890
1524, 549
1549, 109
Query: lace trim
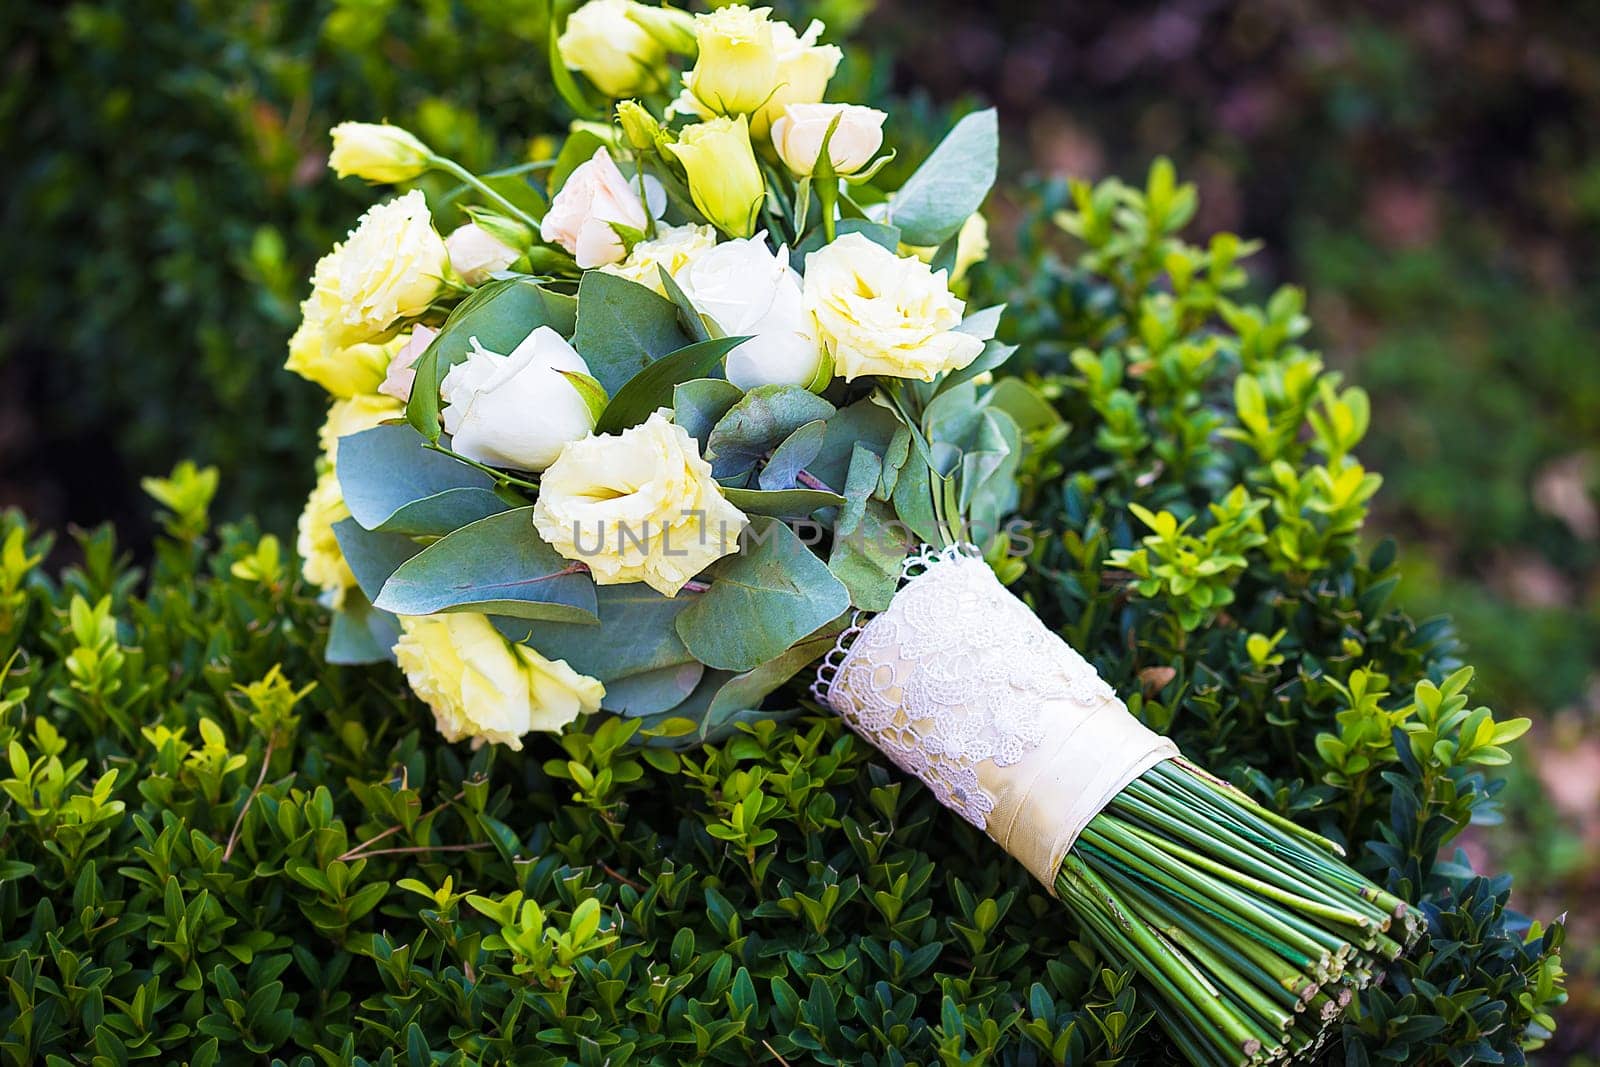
953, 673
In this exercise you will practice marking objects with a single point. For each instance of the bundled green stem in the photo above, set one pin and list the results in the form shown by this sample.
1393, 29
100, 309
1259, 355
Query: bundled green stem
1250, 931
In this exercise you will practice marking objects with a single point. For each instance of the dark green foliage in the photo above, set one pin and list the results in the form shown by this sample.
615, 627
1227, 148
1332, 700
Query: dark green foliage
168, 193
218, 848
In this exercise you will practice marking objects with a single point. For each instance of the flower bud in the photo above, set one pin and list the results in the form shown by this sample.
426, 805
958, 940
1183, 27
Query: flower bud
377, 152
476, 253
639, 128
798, 135
609, 44
594, 201
724, 180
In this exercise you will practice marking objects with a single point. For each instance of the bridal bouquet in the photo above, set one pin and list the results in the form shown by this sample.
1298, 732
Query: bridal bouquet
659, 426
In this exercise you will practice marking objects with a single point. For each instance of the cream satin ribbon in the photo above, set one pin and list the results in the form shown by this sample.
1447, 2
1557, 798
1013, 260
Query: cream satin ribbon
961, 685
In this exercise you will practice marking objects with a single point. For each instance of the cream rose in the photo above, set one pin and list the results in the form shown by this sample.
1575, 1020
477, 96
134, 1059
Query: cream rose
639, 506
517, 410
745, 288
879, 313
377, 152
673, 248
482, 686
798, 133
390, 268
475, 253
321, 560
594, 199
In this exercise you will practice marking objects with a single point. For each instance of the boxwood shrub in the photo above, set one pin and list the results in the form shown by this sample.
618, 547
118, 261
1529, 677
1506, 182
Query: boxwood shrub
217, 848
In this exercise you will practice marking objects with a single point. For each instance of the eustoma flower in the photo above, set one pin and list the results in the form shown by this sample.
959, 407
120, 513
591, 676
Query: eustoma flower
879, 313
377, 152
392, 267
857, 135
724, 178
484, 688
621, 45
639, 506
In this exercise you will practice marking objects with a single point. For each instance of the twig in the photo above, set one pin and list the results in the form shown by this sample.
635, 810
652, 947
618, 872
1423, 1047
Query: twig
774, 1052
619, 876
411, 849
233, 835
355, 853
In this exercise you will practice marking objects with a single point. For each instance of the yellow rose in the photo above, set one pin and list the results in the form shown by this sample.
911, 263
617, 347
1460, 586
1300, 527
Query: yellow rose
377, 152
353, 415
673, 247
879, 313
484, 687
724, 180
737, 66
618, 45
804, 69
348, 370
639, 506
322, 562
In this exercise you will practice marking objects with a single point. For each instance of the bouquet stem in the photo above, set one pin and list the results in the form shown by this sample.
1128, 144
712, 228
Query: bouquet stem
1250, 931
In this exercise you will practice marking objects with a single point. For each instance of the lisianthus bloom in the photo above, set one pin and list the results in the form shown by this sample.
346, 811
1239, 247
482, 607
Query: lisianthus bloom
672, 249
879, 313
390, 268
637, 506
799, 131
476, 253
621, 46
321, 560
484, 687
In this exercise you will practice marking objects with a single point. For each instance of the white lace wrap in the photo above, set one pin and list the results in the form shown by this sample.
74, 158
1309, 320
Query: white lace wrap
960, 684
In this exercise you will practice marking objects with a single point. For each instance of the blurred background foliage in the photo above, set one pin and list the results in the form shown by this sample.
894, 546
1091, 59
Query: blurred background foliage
1428, 171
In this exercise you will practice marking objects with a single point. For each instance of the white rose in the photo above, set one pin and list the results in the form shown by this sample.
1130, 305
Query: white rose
798, 134
517, 410
594, 198
475, 253
879, 313
745, 288
673, 248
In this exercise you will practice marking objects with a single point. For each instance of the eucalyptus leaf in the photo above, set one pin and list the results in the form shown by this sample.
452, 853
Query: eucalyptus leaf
689, 317
791, 457
499, 566
869, 544
865, 423
982, 323
762, 600
372, 556
698, 404
359, 633
758, 423
636, 634
623, 327
655, 385
951, 183
781, 503
748, 690
500, 314
393, 483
